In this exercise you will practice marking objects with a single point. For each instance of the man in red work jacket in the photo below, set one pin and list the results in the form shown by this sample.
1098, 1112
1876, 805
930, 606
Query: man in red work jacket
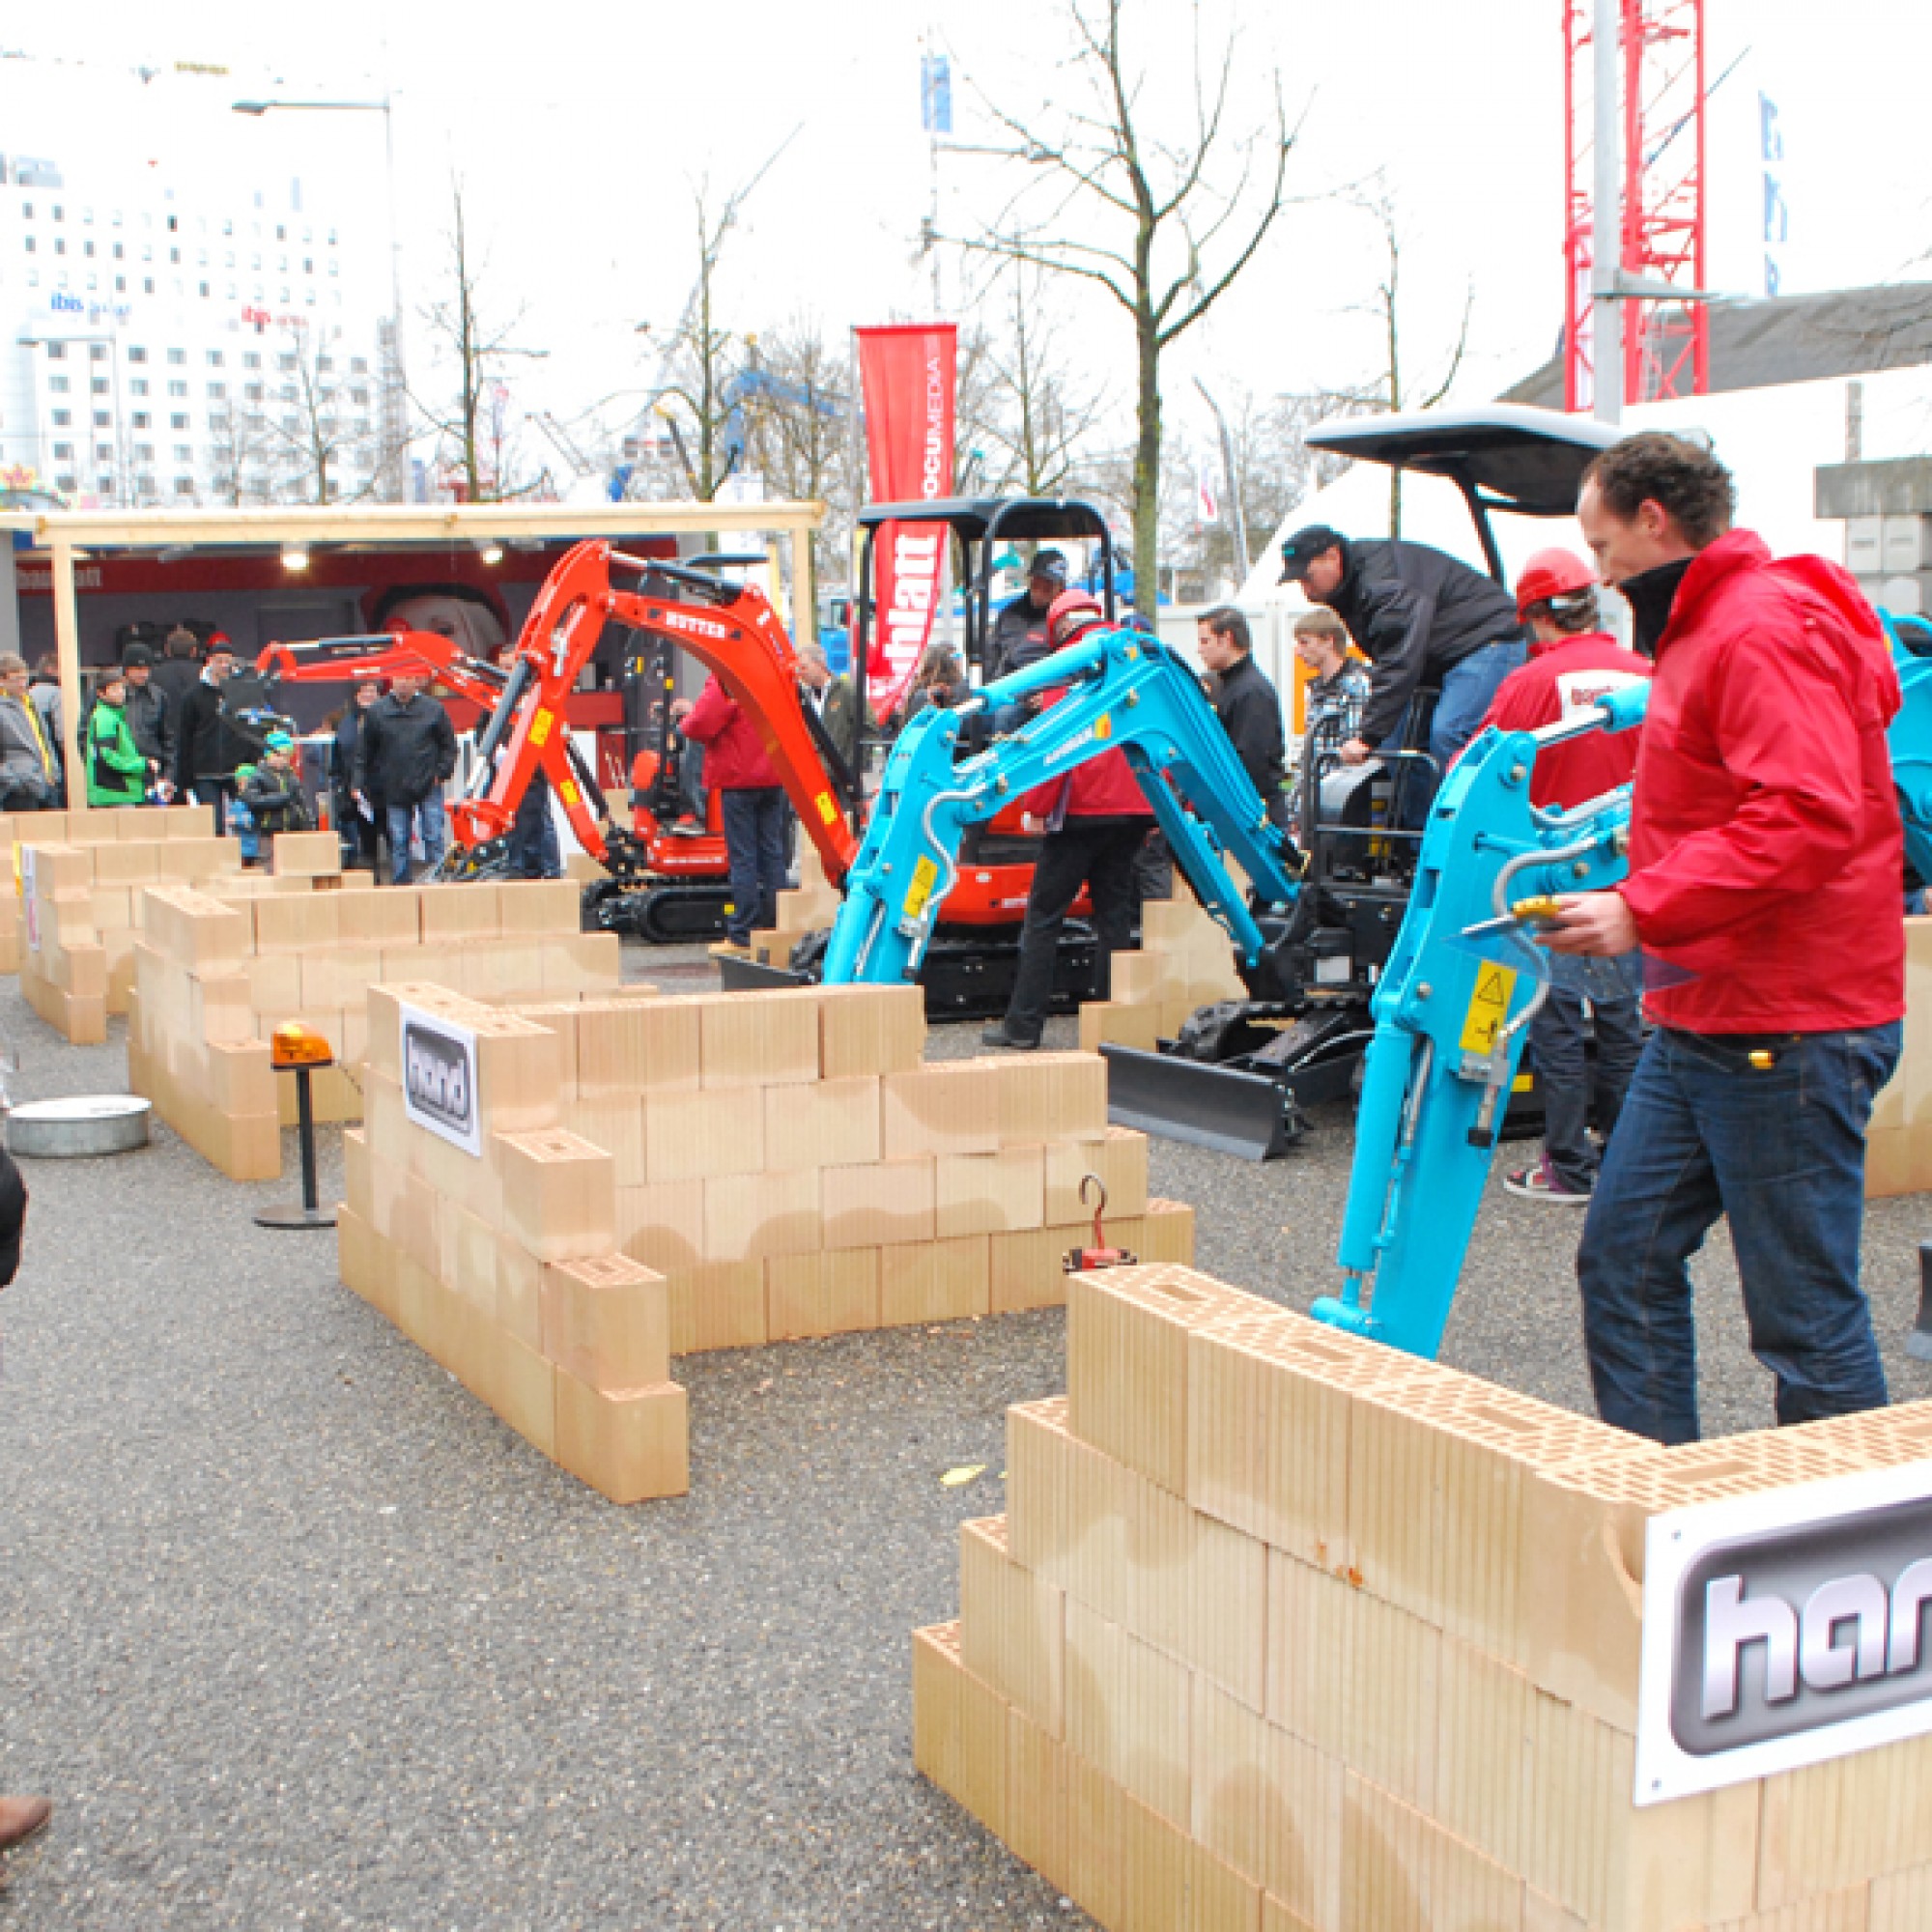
1764, 864
752, 805
1573, 662
1097, 820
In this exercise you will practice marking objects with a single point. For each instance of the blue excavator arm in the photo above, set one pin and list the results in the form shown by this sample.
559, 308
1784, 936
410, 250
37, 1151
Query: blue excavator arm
1451, 1014
1125, 691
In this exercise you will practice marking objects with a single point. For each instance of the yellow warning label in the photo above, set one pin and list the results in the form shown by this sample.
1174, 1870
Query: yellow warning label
540, 726
1489, 1008
1103, 726
827, 810
924, 877
1524, 1083
567, 792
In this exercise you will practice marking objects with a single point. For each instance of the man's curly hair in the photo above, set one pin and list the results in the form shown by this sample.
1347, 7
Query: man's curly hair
1684, 480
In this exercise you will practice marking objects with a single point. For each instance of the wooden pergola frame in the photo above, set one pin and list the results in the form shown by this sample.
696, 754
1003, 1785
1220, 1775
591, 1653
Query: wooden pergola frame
69, 535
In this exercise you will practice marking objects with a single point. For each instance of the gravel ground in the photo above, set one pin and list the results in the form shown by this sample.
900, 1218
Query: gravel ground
297, 1634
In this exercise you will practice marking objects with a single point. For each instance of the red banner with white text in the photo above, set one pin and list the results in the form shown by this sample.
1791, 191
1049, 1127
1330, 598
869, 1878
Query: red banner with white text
907, 373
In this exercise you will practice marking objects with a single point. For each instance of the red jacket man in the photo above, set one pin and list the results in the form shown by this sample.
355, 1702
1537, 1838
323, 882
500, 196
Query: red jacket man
752, 806
1765, 860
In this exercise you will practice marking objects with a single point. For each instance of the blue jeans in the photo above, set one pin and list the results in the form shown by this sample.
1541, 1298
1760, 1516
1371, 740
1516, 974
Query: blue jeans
755, 842
1468, 689
424, 816
1779, 1151
1574, 1090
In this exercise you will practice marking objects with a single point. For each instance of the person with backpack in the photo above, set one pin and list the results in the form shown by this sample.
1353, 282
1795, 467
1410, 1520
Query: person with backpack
117, 774
273, 791
1765, 854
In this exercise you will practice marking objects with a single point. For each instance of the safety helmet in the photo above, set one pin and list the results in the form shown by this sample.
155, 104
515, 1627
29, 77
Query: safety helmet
279, 741
1552, 573
1071, 613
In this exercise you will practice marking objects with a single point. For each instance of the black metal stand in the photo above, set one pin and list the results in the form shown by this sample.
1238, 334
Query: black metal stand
1918, 1343
310, 1214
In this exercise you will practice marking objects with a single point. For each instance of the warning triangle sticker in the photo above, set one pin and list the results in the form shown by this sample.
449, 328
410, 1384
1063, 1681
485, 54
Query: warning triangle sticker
1493, 988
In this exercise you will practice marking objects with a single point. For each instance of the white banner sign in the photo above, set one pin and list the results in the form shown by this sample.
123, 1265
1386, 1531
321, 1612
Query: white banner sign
438, 1062
1784, 1628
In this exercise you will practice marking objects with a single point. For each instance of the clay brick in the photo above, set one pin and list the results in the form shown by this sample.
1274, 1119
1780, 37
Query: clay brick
1166, 1233
560, 1193
752, 1040
628, 1444
1029, 1269
617, 1124
749, 1217
306, 854
870, 1030
1119, 1158
825, 1294
1051, 1096
1170, 1881
876, 1205
932, 1281
989, 1193
633, 1046
1127, 1712
239, 1078
1012, 1626
522, 1388
467, 911
719, 1305
391, 918
822, 1123
606, 1321
950, 1107
1228, 1771
662, 1226
1038, 1778
695, 1134
301, 923
539, 906
1120, 1023
1402, 1874
958, 1727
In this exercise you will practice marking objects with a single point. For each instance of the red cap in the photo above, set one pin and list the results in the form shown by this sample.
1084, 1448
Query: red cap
1552, 573
1070, 614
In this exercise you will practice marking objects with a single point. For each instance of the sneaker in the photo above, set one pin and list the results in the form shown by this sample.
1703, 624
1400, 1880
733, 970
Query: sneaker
997, 1035
1541, 1183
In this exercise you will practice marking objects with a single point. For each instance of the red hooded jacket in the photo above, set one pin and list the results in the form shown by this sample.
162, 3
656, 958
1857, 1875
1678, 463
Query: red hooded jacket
735, 758
1766, 851
1103, 787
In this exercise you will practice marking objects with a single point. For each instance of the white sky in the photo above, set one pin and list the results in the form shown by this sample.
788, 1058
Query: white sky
579, 127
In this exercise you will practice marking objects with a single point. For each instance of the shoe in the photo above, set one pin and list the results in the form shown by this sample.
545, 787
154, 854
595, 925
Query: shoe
1541, 1183
997, 1035
21, 1818
729, 948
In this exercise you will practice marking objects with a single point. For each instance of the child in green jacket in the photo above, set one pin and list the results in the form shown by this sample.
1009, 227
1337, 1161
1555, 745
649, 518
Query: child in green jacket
117, 774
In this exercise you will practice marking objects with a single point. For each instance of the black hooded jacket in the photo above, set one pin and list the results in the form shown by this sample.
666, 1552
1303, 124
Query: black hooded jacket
1414, 611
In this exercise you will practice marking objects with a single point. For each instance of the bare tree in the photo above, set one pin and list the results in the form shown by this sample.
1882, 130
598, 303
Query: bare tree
1043, 420
1141, 217
311, 428
1389, 388
473, 426
798, 434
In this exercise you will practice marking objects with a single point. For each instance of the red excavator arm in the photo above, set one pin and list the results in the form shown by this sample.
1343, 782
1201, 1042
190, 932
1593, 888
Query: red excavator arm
385, 654
728, 627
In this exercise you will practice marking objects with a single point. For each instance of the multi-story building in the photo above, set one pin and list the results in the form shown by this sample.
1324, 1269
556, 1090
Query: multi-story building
173, 330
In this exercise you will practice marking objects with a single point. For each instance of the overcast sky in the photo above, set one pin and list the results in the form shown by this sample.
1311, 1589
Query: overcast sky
581, 129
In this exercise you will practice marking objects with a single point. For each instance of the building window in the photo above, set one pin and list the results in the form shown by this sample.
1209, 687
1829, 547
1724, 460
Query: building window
60, 245
56, 352
144, 452
138, 386
103, 452
288, 392
184, 452
148, 285
58, 384
218, 390
218, 424
102, 420
140, 419
184, 485
120, 285
176, 388
281, 233
119, 253
334, 267
253, 392
65, 483
250, 360
204, 291
324, 361
177, 358
99, 385
60, 214
87, 249
174, 225
30, 244
359, 397
147, 251
97, 352
284, 363
174, 257
178, 422
63, 418
137, 354
64, 452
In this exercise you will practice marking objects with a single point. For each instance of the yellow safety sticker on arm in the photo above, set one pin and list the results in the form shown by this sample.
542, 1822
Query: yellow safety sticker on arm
827, 810
1489, 1008
924, 877
540, 726
568, 792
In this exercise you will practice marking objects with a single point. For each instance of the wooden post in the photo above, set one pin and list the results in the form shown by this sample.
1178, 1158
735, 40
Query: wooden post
67, 643
803, 590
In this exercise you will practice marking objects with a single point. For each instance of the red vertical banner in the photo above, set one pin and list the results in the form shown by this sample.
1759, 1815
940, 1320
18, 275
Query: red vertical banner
908, 375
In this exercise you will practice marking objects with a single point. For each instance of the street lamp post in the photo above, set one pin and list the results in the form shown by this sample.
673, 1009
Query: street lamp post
395, 406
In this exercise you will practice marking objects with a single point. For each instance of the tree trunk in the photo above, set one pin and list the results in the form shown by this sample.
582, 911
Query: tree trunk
1147, 469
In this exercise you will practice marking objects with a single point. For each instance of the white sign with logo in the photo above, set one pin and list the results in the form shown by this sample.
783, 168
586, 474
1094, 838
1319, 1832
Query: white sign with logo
1784, 1628
438, 1062
30, 903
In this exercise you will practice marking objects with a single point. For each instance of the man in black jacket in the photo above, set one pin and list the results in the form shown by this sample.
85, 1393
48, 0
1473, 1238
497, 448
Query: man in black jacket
149, 715
405, 753
1421, 619
1019, 631
1246, 703
207, 745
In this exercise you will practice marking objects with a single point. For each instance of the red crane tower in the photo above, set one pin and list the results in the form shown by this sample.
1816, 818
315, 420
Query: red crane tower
1660, 68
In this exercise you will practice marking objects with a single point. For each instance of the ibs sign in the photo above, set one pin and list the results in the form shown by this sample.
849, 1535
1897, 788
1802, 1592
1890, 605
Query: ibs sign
438, 1062
1784, 1628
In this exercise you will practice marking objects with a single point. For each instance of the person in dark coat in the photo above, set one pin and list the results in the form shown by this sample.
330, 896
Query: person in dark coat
1019, 632
149, 714
180, 669
273, 792
405, 754
360, 827
207, 745
1247, 704
1421, 619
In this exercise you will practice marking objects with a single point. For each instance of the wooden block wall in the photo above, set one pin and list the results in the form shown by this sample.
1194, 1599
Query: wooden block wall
1898, 1143
810, 908
86, 911
223, 968
1185, 962
505, 1267
1285, 1630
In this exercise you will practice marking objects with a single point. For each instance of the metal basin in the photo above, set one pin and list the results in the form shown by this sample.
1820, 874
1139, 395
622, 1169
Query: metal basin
78, 1128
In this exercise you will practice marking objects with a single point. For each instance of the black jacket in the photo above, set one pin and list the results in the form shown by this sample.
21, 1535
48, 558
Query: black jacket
1018, 640
1414, 611
275, 801
150, 720
1250, 713
175, 678
207, 745
404, 751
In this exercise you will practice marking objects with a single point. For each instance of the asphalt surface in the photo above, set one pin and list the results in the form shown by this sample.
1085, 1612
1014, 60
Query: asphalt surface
297, 1634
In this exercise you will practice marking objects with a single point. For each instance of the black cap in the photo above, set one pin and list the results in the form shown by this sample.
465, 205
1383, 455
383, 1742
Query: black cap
1303, 548
1048, 563
137, 654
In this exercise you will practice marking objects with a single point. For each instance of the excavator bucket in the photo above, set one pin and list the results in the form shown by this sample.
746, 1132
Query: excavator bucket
1219, 1107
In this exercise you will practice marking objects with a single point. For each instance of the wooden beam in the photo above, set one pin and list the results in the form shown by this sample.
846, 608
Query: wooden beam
67, 645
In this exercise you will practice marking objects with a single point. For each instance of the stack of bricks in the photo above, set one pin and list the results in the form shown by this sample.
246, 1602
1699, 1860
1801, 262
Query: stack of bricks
216, 977
1185, 962
1289, 1632
798, 914
84, 827
78, 912
791, 1168
504, 1266
1898, 1142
